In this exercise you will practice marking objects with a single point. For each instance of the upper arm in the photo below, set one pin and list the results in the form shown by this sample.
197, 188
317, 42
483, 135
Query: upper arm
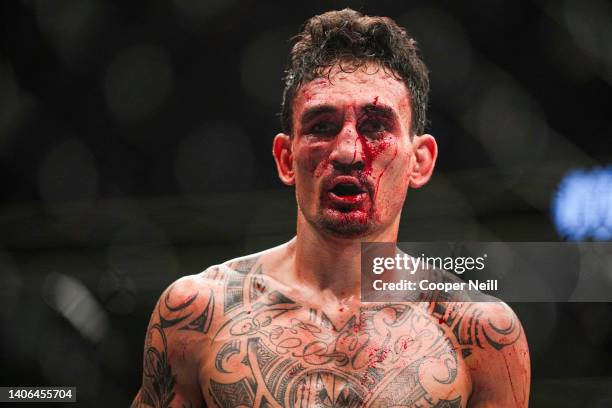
500, 365
177, 330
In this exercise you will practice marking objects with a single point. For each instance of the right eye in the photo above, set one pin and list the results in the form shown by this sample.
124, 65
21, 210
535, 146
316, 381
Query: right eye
323, 128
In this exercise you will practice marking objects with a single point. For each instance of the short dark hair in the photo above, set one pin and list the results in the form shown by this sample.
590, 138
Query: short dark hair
347, 35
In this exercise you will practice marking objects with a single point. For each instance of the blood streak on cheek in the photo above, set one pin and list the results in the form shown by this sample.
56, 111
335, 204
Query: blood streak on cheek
382, 173
320, 168
370, 153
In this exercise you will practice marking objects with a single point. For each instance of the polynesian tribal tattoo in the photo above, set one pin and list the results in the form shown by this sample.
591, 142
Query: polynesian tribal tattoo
158, 379
270, 351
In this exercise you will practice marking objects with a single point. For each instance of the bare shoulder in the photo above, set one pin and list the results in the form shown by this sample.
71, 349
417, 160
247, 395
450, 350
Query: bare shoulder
493, 344
479, 326
188, 303
501, 327
192, 302
179, 331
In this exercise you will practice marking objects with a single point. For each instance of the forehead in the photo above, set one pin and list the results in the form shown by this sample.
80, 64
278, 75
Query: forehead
366, 85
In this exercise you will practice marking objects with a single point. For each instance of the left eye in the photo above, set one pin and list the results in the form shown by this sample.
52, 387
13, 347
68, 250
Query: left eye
373, 128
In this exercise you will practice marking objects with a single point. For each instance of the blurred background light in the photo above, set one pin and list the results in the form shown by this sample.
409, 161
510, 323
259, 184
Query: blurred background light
141, 253
514, 136
445, 47
64, 358
74, 27
263, 63
590, 25
117, 291
582, 205
74, 301
16, 106
216, 157
11, 283
69, 173
196, 12
138, 81
597, 323
542, 320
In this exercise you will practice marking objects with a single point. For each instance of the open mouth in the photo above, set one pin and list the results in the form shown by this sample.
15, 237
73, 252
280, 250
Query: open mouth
347, 193
346, 190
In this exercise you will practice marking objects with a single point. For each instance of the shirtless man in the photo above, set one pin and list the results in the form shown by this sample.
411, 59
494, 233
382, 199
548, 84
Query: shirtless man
285, 327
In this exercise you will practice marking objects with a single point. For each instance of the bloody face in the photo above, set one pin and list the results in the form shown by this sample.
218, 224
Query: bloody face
352, 150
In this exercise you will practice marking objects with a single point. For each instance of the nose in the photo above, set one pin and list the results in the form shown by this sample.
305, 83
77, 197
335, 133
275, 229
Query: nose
347, 153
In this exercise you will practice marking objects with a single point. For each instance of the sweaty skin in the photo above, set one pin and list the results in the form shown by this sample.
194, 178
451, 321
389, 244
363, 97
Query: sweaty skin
286, 328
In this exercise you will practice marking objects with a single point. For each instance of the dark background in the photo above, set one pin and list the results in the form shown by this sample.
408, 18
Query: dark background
135, 143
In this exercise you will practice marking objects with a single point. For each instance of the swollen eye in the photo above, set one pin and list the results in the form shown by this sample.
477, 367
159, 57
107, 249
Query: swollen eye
323, 128
373, 127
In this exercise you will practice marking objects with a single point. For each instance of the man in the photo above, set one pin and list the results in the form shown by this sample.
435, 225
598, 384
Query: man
286, 327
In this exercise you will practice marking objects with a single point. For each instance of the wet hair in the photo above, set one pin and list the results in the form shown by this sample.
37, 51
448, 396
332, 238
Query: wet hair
349, 38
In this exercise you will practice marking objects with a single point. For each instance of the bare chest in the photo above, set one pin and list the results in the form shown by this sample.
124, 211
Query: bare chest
285, 355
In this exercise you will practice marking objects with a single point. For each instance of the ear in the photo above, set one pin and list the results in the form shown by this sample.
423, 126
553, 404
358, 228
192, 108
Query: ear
425, 154
283, 155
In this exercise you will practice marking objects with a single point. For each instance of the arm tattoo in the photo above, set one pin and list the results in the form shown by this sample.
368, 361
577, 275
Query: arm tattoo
159, 381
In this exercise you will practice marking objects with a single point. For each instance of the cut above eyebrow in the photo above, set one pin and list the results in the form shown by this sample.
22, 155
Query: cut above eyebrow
379, 110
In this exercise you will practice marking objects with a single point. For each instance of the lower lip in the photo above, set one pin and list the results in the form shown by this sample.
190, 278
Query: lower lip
347, 200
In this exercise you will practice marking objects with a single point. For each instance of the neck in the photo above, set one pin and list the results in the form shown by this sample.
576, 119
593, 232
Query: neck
330, 264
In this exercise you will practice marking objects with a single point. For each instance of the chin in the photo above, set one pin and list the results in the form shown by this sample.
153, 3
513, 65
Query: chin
349, 224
